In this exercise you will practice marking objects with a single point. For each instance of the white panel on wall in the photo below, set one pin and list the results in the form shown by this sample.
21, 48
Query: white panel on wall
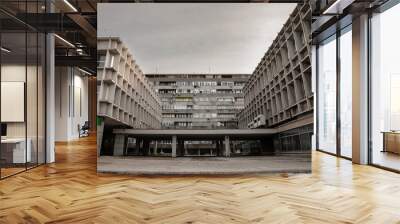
78, 102
12, 101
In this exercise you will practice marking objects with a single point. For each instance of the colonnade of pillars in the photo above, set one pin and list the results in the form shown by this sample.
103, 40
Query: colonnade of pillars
178, 147
223, 146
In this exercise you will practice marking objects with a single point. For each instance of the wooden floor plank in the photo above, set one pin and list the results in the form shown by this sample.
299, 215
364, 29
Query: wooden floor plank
71, 191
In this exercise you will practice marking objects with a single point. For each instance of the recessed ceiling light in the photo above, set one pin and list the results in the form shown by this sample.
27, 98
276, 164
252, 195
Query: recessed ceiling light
64, 40
70, 5
86, 72
337, 7
5, 50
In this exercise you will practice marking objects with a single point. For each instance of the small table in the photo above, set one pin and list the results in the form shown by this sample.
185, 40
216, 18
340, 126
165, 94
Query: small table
391, 141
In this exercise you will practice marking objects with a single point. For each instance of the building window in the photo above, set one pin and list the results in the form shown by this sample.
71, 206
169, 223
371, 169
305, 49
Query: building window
346, 93
385, 88
101, 60
327, 95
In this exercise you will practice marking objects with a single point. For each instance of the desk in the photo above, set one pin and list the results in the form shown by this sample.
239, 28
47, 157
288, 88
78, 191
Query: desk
13, 150
391, 142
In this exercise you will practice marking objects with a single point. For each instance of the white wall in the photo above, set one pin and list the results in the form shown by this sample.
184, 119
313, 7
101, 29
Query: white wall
80, 85
61, 103
16, 73
70, 83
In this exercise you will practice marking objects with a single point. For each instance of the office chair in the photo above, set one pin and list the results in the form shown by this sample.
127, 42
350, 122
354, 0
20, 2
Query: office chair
84, 130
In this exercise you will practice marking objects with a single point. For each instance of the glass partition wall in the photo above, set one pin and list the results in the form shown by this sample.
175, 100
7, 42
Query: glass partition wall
334, 104
385, 89
22, 107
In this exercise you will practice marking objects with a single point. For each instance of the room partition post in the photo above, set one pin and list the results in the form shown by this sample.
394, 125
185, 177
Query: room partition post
338, 76
1, 163
50, 91
25, 89
360, 90
316, 95
50, 99
369, 133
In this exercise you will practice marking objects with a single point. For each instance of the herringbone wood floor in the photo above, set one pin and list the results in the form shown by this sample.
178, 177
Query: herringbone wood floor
70, 191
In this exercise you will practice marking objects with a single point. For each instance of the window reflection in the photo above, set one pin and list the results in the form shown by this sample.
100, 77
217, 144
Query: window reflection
15, 149
327, 95
346, 93
22, 91
385, 89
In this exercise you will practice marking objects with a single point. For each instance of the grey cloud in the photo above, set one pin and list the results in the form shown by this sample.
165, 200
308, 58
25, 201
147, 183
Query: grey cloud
228, 38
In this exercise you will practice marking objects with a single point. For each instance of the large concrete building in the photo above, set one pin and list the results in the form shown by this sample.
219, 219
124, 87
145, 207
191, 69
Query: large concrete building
200, 101
279, 92
277, 96
280, 88
125, 96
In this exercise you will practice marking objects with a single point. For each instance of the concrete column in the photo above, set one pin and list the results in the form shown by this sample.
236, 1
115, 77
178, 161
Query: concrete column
146, 147
50, 96
174, 146
360, 90
181, 147
186, 151
227, 147
217, 146
119, 145
220, 148
136, 145
100, 130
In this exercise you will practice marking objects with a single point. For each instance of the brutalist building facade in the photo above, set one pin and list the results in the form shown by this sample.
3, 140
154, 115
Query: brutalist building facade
279, 92
200, 101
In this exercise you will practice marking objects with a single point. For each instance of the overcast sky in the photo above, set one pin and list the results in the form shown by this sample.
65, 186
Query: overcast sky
194, 38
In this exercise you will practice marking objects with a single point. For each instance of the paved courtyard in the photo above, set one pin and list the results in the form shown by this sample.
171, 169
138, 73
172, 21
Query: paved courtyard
205, 165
